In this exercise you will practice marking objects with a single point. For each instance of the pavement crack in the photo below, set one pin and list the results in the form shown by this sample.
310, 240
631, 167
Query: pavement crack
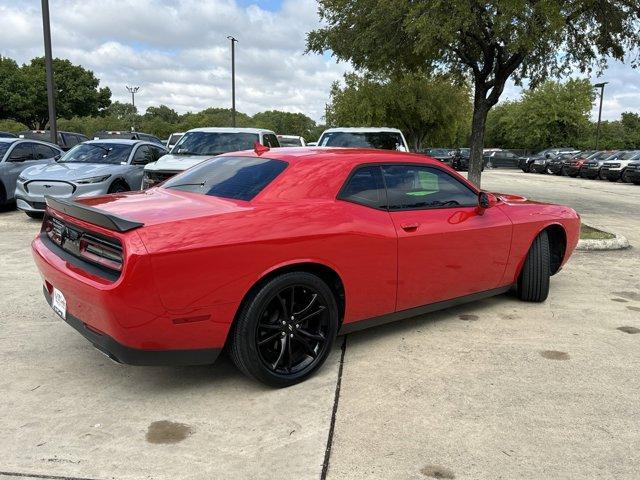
327, 451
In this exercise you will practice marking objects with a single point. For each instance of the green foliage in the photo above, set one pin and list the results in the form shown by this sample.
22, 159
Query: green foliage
11, 126
488, 41
557, 115
24, 90
286, 123
553, 114
430, 111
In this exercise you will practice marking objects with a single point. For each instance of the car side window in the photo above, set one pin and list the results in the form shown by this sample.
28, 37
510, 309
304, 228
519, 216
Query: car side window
420, 187
42, 152
270, 140
21, 153
157, 152
365, 187
142, 156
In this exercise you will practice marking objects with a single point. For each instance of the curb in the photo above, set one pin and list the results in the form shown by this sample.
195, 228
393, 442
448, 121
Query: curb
619, 242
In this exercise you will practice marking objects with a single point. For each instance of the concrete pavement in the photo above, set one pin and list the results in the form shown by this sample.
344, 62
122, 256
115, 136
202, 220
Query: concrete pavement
494, 389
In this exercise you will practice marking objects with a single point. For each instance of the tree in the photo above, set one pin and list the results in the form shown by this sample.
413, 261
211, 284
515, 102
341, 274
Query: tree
488, 42
213, 117
553, 114
77, 93
10, 86
162, 112
429, 110
285, 123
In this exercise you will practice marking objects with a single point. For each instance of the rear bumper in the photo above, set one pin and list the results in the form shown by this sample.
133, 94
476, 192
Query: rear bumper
125, 318
133, 356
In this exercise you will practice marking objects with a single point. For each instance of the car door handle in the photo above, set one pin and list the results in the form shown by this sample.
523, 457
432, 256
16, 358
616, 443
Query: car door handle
410, 227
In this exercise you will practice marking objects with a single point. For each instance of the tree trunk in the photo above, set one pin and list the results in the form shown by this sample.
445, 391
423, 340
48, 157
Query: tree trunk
480, 110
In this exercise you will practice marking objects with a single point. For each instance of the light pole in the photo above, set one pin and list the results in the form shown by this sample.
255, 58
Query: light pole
133, 90
233, 79
48, 62
601, 87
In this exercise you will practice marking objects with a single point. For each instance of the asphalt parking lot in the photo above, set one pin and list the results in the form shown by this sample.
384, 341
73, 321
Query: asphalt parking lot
496, 389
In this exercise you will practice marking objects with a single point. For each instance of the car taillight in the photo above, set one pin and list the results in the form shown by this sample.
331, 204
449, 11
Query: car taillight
101, 252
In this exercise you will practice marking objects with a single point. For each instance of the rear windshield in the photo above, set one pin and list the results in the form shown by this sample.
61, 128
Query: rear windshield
379, 140
213, 143
239, 178
289, 142
110, 153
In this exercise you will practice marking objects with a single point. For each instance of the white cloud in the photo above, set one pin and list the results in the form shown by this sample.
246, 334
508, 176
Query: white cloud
177, 51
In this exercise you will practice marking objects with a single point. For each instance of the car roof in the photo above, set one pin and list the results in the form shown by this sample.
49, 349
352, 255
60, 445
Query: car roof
10, 139
348, 156
289, 136
230, 130
362, 130
121, 141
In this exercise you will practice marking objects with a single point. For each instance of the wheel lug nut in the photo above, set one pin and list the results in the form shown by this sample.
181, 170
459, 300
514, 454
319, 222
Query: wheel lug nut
283, 322
284, 334
297, 325
291, 335
291, 317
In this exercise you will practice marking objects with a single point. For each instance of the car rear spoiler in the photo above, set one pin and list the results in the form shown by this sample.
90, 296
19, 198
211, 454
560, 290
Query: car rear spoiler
92, 215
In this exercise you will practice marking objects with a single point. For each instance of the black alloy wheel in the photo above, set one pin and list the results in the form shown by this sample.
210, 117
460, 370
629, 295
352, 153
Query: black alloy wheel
286, 330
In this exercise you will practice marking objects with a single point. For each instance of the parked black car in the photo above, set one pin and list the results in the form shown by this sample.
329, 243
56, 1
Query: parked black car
443, 154
526, 163
633, 173
591, 168
501, 159
124, 134
559, 164
460, 160
66, 140
7, 135
541, 165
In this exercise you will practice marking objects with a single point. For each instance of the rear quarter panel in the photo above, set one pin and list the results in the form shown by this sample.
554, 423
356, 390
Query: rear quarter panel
214, 261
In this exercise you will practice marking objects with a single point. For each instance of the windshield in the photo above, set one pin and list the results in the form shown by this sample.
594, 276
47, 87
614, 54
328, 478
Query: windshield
379, 140
601, 155
213, 143
289, 142
239, 178
111, 153
632, 155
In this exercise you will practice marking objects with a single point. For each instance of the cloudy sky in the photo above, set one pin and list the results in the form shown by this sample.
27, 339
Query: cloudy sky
178, 53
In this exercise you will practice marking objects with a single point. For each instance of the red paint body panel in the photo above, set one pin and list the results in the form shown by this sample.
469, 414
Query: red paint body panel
198, 255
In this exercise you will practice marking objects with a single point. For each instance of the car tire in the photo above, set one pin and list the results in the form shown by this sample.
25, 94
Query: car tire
533, 282
118, 187
36, 215
549, 171
267, 329
526, 168
612, 179
625, 177
602, 175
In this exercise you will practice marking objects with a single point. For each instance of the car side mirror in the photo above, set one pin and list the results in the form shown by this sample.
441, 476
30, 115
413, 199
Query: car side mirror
486, 200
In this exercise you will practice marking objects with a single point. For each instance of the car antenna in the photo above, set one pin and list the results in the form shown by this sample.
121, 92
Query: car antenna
259, 148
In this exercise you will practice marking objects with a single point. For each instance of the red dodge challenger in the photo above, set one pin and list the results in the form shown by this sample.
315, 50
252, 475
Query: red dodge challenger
272, 253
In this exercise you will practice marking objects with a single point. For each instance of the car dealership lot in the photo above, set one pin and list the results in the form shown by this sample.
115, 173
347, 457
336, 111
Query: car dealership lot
493, 389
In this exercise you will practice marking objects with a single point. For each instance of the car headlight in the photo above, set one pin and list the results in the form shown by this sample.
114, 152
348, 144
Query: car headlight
22, 178
99, 179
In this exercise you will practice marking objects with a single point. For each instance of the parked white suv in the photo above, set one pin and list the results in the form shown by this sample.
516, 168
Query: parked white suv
200, 144
380, 138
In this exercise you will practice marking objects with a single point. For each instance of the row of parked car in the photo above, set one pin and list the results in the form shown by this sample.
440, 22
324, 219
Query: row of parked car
612, 165
32, 168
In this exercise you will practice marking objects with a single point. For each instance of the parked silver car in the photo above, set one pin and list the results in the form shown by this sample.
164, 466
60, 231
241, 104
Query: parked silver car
90, 169
16, 155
